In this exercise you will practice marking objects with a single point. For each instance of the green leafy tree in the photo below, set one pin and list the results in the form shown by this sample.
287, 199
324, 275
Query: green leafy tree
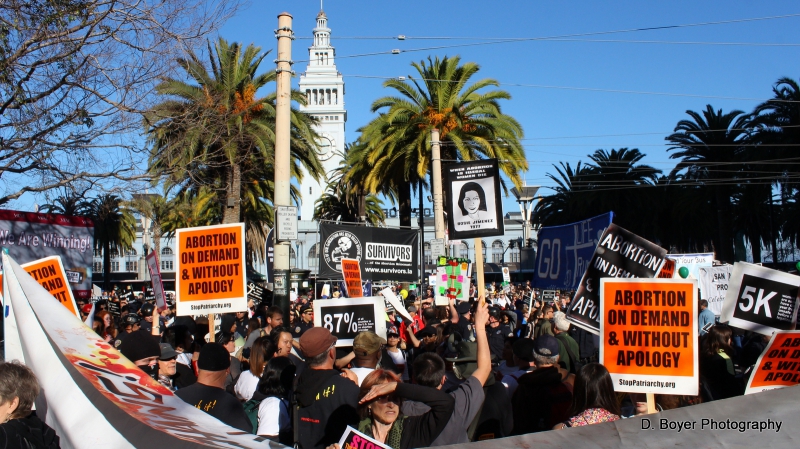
217, 134
345, 200
471, 125
712, 139
114, 229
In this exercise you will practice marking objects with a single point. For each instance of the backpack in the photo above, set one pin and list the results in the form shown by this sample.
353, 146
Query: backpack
575, 363
251, 410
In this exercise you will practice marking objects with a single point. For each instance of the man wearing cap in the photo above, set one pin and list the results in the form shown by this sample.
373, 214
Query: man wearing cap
497, 333
327, 401
473, 366
567, 346
544, 396
367, 349
464, 310
306, 321
167, 365
523, 357
208, 393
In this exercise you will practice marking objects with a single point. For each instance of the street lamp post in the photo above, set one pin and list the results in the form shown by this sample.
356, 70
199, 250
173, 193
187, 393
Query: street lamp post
525, 196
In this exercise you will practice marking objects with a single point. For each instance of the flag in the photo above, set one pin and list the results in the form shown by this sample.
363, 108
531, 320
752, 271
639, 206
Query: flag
92, 396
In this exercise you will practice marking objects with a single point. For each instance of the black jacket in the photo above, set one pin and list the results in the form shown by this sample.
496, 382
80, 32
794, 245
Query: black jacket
541, 401
27, 433
327, 404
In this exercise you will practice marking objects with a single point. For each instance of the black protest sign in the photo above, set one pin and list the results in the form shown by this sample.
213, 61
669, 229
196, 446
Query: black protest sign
620, 254
474, 207
761, 299
346, 317
113, 308
254, 292
382, 253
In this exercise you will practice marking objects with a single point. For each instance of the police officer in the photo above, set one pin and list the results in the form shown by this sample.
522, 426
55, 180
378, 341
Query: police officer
306, 321
146, 313
497, 333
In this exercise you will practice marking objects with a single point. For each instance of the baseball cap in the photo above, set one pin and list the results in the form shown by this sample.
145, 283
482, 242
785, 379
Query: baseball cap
367, 343
213, 357
315, 341
560, 320
87, 308
167, 351
545, 346
463, 307
425, 331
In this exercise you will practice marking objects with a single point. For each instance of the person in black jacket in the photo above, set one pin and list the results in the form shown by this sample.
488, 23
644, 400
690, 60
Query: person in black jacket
382, 394
20, 428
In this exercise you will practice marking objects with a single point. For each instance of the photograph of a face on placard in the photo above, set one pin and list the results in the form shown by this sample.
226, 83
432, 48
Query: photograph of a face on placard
475, 205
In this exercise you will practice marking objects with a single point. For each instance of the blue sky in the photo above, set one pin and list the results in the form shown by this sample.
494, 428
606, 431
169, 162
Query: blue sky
557, 118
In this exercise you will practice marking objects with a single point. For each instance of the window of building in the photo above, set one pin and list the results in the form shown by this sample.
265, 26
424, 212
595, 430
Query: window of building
98, 252
130, 252
497, 251
426, 247
292, 258
461, 250
114, 266
514, 251
131, 266
97, 267
483, 249
166, 251
313, 256
167, 265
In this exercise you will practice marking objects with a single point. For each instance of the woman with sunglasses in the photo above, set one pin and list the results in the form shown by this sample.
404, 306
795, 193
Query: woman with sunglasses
394, 357
382, 394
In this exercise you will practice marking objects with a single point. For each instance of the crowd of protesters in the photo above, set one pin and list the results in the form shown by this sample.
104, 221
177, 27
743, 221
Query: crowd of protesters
511, 364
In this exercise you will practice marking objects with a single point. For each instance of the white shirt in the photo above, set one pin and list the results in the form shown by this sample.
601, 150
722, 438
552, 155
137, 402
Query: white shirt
362, 373
246, 385
273, 416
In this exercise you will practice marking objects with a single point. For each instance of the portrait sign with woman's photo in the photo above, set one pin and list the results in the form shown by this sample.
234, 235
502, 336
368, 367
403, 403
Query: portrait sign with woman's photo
474, 208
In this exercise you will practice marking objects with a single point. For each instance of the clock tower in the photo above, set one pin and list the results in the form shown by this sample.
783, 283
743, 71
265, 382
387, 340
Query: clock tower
323, 87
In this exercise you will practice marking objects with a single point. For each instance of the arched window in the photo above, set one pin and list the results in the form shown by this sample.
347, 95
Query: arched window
313, 256
514, 251
461, 250
166, 251
483, 250
497, 251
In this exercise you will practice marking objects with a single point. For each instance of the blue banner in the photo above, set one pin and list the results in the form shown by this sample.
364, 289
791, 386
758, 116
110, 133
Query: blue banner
564, 252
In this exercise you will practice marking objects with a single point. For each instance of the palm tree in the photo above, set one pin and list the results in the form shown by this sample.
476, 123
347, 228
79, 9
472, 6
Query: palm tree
69, 203
570, 202
217, 134
191, 209
114, 229
712, 141
344, 199
469, 119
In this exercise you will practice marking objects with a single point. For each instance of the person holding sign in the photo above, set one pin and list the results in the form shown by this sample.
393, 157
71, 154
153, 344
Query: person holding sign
716, 366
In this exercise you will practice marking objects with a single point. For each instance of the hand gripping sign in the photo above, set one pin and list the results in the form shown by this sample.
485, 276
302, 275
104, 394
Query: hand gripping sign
761, 299
648, 335
211, 270
779, 364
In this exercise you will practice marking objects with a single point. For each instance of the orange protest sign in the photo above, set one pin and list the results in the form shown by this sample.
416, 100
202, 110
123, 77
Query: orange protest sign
667, 270
50, 274
352, 277
779, 364
211, 270
648, 334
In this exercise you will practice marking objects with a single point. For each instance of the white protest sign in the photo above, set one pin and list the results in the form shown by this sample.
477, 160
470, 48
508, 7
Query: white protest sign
692, 263
714, 286
396, 303
346, 317
761, 299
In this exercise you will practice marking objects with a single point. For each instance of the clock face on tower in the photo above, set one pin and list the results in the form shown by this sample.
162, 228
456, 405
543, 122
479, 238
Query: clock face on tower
326, 146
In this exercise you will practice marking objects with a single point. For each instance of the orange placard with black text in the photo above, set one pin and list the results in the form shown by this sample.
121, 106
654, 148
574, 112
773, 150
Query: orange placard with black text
351, 270
49, 273
779, 364
667, 270
210, 275
648, 334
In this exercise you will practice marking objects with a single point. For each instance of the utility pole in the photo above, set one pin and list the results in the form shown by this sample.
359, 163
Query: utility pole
282, 196
438, 198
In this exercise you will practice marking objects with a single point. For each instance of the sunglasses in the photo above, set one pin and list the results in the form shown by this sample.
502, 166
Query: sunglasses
169, 359
308, 312
393, 336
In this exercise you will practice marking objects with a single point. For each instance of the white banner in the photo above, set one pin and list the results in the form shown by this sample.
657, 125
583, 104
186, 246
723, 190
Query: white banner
714, 285
93, 396
692, 263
